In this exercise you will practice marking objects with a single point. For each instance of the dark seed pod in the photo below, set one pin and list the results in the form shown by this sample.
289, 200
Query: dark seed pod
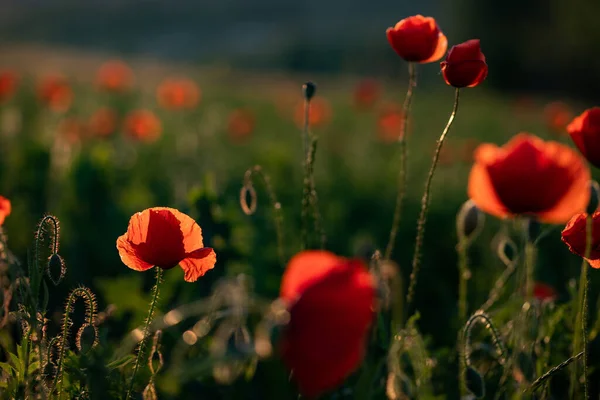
594, 197
308, 90
56, 269
469, 221
475, 383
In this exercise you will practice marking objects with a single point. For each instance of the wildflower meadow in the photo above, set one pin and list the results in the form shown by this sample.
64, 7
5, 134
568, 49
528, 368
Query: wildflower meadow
179, 232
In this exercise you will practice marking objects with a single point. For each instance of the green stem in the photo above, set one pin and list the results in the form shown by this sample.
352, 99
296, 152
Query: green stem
463, 272
307, 180
416, 261
529, 269
402, 174
149, 318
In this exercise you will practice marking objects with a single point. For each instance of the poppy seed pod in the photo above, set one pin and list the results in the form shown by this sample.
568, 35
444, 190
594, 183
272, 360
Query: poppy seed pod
308, 90
469, 221
594, 197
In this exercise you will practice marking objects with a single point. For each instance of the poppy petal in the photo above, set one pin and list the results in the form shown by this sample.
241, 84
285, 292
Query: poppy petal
192, 233
129, 255
440, 50
197, 263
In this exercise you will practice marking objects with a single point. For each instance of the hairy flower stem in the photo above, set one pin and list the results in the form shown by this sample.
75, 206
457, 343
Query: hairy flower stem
149, 318
580, 324
402, 173
416, 261
529, 270
463, 277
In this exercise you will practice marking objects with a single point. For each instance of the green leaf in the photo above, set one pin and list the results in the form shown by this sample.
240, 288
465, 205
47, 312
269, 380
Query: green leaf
7, 368
128, 359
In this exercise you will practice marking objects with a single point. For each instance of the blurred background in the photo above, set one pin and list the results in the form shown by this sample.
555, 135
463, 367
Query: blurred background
110, 107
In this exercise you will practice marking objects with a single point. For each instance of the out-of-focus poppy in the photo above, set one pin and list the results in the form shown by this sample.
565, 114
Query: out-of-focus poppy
8, 85
103, 122
366, 94
165, 237
114, 76
55, 92
319, 115
331, 301
418, 39
5, 209
465, 65
574, 235
178, 93
240, 124
143, 125
546, 180
468, 149
389, 123
543, 292
557, 116
585, 132
72, 130
447, 155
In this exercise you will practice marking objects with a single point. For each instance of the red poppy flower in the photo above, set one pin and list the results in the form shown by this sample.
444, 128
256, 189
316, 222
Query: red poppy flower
557, 116
178, 93
5, 209
164, 237
8, 84
418, 39
114, 76
547, 180
543, 292
103, 122
143, 125
465, 65
320, 112
574, 235
240, 124
585, 132
389, 123
366, 94
55, 92
331, 304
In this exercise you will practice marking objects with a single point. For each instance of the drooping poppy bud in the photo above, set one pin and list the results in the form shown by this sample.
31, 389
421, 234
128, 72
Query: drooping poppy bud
469, 220
417, 39
465, 65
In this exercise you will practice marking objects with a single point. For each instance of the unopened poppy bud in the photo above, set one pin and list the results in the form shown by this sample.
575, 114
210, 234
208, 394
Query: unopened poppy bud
475, 383
308, 90
594, 197
87, 337
56, 268
532, 229
507, 251
469, 221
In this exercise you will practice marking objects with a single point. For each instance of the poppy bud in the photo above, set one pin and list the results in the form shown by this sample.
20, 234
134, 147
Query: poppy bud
56, 266
469, 221
507, 251
87, 337
532, 229
594, 197
465, 65
475, 383
308, 90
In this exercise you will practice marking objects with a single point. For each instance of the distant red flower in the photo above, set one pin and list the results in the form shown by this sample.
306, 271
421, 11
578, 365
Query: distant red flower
241, 124
331, 303
114, 76
465, 65
557, 116
5, 209
585, 132
418, 39
165, 237
574, 235
547, 180
178, 93
55, 92
72, 130
367, 93
543, 292
8, 84
468, 149
320, 112
143, 125
103, 122
389, 123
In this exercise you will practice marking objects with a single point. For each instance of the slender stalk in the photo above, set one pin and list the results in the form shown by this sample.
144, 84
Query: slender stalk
416, 261
307, 181
153, 303
463, 276
529, 269
402, 174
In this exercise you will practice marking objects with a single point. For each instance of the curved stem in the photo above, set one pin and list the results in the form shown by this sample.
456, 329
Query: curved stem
463, 276
416, 261
138, 358
402, 173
